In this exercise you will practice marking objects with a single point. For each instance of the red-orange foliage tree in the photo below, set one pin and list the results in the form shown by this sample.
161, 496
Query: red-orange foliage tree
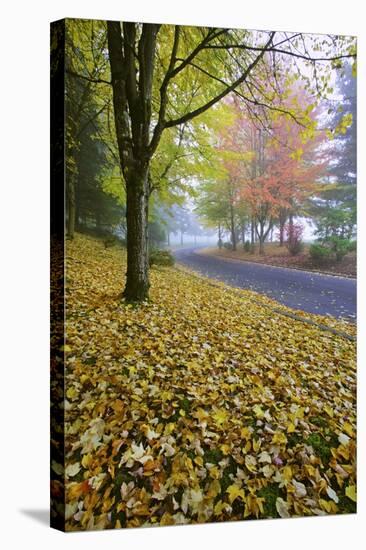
280, 163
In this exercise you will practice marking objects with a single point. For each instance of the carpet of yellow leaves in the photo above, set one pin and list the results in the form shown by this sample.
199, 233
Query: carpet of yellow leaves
199, 405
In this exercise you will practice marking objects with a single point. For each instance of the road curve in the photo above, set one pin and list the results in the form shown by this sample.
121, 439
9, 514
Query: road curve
312, 292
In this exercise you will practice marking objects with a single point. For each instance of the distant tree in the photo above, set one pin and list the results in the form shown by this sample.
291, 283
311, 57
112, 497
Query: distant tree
334, 206
157, 234
84, 62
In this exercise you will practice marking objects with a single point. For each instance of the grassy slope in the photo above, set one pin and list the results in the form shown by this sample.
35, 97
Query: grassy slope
199, 405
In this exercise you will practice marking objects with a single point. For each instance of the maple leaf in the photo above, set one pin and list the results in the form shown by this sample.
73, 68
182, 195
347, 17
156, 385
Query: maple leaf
343, 439
126, 489
251, 463
220, 416
350, 492
332, 494
167, 449
265, 457
259, 413
253, 505
282, 508
300, 489
235, 492
279, 438
72, 469
57, 468
76, 490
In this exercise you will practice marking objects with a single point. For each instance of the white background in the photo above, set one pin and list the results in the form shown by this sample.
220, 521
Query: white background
24, 287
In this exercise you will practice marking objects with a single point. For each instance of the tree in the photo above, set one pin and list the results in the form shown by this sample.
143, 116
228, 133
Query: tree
273, 165
334, 207
84, 61
146, 71
344, 118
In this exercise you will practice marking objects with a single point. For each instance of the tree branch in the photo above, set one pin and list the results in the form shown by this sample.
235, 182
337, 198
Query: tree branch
273, 49
231, 88
88, 78
163, 92
208, 38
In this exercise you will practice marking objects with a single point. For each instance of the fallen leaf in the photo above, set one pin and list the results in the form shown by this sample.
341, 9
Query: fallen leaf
350, 492
282, 508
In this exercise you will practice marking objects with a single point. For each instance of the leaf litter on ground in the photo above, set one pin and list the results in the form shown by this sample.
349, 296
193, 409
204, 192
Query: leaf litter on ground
199, 405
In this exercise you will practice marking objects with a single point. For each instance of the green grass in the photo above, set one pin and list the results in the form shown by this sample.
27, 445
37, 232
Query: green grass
322, 445
271, 493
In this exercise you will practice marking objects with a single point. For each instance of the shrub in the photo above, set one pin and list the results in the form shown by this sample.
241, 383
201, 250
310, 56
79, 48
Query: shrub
293, 237
339, 246
228, 246
295, 247
161, 257
353, 246
320, 254
247, 246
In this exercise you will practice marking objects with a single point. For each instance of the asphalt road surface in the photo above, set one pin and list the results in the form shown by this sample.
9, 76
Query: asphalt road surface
311, 292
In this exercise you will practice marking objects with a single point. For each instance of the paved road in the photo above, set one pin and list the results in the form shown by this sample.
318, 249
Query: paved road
312, 292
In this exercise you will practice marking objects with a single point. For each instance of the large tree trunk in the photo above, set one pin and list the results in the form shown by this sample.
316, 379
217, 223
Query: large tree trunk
137, 282
132, 68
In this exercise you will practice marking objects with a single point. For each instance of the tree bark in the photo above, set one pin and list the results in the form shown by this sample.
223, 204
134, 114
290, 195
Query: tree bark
137, 282
243, 234
232, 225
290, 235
219, 234
261, 240
282, 219
132, 91
252, 235
262, 233
71, 207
